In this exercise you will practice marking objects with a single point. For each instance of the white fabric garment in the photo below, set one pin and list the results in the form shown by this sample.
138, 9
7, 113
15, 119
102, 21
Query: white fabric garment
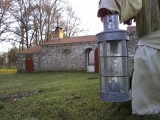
126, 8
151, 40
109, 4
146, 76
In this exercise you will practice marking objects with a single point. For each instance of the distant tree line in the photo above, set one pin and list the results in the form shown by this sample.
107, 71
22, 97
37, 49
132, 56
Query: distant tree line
31, 22
8, 59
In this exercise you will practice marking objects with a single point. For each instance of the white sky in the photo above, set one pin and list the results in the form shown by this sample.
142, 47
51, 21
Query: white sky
5, 47
87, 11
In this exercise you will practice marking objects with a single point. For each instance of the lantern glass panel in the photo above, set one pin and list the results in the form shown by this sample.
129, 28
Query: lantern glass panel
118, 84
101, 49
116, 71
125, 66
114, 48
124, 48
116, 59
114, 66
102, 65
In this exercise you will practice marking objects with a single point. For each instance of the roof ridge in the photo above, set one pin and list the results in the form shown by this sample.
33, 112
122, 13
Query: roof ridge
33, 49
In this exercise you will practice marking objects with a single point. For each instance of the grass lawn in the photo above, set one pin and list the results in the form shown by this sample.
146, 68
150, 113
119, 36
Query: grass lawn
58, 96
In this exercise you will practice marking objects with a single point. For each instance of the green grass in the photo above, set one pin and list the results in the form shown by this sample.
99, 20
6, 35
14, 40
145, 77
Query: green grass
58, 96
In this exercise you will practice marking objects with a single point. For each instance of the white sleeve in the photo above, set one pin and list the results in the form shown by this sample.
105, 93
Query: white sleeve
107, 5
126, 8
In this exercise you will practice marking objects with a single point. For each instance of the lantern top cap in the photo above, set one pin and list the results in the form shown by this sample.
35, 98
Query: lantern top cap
110, 22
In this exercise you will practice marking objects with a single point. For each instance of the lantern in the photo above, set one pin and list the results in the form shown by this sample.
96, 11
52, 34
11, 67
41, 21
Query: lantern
113, 61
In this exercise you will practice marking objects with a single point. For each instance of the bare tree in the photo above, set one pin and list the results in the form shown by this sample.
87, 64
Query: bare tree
45, 14
38, 21
12, 53
21, 10
2, 61
35, 20
71, 23
49, 15
4, 16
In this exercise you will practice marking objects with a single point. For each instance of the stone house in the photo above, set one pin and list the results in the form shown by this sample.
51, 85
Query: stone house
66, 54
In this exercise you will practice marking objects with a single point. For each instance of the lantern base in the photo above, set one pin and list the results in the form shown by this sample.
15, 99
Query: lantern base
115, 97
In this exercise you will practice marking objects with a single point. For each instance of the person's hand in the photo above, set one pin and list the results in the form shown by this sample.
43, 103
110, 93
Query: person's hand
104, 12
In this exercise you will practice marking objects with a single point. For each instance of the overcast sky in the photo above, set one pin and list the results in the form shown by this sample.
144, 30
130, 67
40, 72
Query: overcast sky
87, 11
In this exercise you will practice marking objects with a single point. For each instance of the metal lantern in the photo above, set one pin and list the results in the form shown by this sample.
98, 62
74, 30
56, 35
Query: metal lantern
113, 61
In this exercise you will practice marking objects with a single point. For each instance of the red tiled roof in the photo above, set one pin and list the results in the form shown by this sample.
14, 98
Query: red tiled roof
79, 39
35, 49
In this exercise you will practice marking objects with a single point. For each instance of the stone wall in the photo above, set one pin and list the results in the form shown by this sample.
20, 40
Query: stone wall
21, 62
70, 57
132, 47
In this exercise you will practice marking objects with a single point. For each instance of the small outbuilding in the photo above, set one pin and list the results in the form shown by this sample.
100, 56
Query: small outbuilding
67, 53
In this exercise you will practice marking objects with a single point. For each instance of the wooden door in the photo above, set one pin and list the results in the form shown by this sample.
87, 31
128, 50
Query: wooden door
29, 65
96, 62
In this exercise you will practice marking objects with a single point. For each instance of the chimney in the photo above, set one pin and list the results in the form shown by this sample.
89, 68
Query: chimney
58, 33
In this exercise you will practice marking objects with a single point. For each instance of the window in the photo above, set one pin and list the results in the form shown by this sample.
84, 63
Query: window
66, 51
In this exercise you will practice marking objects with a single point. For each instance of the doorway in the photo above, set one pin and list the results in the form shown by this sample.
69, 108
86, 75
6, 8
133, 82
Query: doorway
29, 65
